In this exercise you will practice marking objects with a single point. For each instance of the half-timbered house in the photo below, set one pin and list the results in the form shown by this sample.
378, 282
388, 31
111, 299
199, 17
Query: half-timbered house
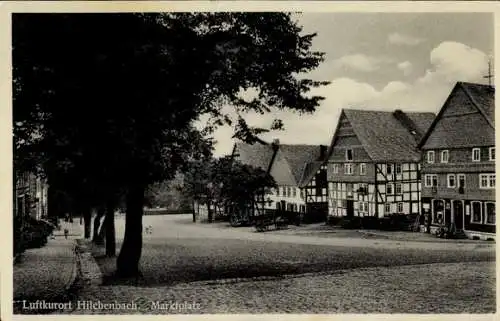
309, 179
292, 167
458, 163
30, 196
373, 163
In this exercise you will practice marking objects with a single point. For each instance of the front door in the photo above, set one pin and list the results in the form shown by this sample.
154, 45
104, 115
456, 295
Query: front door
350, 208
458, 214
447, 212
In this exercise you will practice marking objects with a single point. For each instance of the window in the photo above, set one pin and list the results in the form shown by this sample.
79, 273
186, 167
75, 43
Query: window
398, 169
288, 192
388, 208
362, 169
390, 189
444, 156
335, 168
430, 180
451, 181
348, 169
461, 180
399, 189
487, 180
490, 213
476, 154
348, 154
294, 189
476, 216
492, 153
400, 207
363, 207
430, 156
389, 169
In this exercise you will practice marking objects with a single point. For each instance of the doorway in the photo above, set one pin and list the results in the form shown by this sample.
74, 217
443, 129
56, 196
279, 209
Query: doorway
447, 212
350, 208
458, 214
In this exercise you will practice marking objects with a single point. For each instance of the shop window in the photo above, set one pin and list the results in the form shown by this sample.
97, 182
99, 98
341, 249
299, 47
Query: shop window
476, 215
490, 213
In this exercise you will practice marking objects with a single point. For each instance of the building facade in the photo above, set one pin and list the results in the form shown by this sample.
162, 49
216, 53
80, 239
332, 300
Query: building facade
458, 163
30, 196
293, 167
373, 163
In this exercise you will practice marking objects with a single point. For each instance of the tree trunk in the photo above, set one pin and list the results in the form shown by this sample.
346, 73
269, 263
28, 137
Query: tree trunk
97, 223
209, 209
109, 225
87, 221
194, 212
130, 253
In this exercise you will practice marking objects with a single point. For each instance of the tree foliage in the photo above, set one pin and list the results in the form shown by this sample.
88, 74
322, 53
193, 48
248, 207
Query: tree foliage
224, 181
106, 103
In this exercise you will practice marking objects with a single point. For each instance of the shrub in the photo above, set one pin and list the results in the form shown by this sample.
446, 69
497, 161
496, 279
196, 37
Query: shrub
18, 240
334, 220
370, 222
351, 223
35, 233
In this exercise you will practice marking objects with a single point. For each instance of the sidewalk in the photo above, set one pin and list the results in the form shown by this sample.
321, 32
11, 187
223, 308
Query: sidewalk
75, 229
45, 273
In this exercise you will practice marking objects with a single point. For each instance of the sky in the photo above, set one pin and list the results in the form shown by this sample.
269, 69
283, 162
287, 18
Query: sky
381, 61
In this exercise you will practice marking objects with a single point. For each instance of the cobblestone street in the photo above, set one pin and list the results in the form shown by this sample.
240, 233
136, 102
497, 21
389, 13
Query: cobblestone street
184, 272
371, 290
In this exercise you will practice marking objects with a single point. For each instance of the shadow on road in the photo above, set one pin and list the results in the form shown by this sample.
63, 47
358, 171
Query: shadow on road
188, 260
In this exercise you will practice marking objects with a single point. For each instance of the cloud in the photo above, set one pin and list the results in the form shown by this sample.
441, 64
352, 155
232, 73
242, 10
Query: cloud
406, 40
450, 62
454, 61
359, 62
395, 87
406, 67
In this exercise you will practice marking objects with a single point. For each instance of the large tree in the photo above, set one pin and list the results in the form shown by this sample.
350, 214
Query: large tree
114, 96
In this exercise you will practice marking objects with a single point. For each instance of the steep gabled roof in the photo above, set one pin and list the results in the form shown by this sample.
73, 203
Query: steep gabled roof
482, 97
292, 160
384, 136
309, 171
257, 155
298, 156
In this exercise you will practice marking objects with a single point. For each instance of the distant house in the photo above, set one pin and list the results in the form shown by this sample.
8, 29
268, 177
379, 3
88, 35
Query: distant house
374, 164
288, 165
30, 196
458, 164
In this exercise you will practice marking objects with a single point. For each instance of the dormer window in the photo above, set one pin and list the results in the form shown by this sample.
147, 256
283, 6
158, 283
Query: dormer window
348, 155
445, 156
430, 157
476, 154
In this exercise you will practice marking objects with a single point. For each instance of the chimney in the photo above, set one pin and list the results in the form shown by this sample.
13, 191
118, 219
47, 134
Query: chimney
408, 124
322, 152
